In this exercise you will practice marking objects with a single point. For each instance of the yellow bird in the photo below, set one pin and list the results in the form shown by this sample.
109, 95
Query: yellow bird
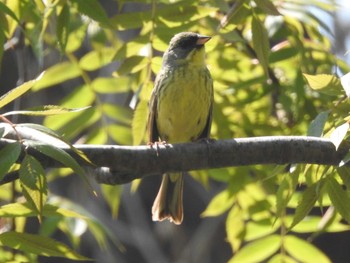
180, 111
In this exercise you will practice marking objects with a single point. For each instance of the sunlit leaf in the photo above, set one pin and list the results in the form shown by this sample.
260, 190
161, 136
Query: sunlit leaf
235, 227
220, 204
282, 258
111, 85
38, 245
18, 91
182, 11
45, 110
25, 210
97, 58
260, 228
338, 135
258, 250
72, 124
139, 122
9, 12
345, 82
304, 251
328, 84
56, 74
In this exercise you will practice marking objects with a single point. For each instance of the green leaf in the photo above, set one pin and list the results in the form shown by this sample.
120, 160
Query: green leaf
344, 173
235, 227
62, 27
43, 134
261, 43
268, 7
112, 194
258, 250
26, 210
8, 156
18, 91
181, 12
304, 251
33, 181
338, 135
45, 110
118, 113
97, 58
80, 96
316, 224
237, 13
307, 202
317, 125
57, 154
339, 197
139, 122
9, 12
345, 82
285, 192
72, 124
56, 74
132, 65
94, 10
76, 38
120, 134
111, 85
38, 245
260, 228
220, 204
279, 258
283, 54
327, 84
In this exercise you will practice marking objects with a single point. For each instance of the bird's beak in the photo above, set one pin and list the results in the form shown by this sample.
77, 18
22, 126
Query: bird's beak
202, 40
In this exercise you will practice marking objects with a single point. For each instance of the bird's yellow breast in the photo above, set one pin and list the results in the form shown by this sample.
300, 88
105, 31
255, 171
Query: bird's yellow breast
183, 104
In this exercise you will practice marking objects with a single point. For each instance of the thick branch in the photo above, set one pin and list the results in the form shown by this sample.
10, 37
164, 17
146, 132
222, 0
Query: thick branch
127, 163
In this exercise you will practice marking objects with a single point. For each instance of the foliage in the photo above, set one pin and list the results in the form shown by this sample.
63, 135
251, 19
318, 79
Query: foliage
273, 73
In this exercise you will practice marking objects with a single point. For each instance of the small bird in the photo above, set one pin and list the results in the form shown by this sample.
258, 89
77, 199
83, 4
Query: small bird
180, 110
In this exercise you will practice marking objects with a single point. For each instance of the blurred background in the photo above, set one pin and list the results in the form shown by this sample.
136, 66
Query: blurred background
106, 54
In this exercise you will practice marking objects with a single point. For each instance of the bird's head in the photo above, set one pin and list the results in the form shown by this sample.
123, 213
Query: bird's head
186, 47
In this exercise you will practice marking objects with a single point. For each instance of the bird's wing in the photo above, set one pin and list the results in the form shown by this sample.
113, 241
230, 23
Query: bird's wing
206, 131
153, 134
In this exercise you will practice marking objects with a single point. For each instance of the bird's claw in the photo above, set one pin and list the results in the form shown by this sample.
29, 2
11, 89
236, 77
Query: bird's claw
157, 143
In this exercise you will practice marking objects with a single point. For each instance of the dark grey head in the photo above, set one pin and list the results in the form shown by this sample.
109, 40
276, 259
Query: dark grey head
181, 46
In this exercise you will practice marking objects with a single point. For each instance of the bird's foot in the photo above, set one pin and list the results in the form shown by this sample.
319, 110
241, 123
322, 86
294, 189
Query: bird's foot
156, 144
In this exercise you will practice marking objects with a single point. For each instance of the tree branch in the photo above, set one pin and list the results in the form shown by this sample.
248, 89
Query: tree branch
123, 164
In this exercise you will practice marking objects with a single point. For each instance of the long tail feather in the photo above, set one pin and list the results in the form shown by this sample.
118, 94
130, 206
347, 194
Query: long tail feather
168, 203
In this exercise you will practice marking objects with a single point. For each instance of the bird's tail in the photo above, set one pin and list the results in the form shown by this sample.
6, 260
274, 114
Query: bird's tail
168, 203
